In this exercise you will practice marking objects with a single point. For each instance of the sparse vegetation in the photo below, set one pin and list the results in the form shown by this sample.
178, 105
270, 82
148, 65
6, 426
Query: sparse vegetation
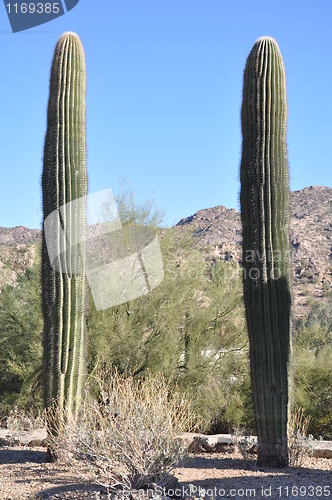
304, 263
191, 327
310, 302
21, 341
299, 444
130, 438
312, 375
307, 273
22, 420
326, 289
245, 444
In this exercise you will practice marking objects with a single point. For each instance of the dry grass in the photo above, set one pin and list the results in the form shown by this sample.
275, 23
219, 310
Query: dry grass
130, 438
299, 445
245, 444
20, 421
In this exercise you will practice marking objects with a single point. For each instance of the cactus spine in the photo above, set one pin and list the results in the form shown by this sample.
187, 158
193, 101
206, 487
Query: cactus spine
64, 179
266, 258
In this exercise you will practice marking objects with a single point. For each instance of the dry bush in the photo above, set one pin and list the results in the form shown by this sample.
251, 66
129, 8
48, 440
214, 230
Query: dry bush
130, 438
299, 445
246, 444
20, 420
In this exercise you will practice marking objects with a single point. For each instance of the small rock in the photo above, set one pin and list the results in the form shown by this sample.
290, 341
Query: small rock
37, 443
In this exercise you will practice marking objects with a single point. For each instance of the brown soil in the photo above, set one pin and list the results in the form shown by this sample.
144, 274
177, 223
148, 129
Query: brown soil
25, 475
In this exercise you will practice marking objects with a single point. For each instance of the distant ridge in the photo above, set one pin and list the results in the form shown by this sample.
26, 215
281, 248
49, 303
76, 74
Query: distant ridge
18, 235
218, 229
310, 237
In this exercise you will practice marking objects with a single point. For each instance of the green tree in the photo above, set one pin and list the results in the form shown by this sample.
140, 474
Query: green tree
312, 371
189, 327
21, 326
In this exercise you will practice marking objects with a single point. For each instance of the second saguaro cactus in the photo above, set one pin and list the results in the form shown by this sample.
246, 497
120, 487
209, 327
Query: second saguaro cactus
266, 250
64, 180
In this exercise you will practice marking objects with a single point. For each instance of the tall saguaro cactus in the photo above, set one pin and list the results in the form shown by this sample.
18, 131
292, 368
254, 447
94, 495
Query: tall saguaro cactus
64, 180
266, 251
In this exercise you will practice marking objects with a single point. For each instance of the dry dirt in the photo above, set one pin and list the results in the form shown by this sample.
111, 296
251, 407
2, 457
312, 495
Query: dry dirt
26, 475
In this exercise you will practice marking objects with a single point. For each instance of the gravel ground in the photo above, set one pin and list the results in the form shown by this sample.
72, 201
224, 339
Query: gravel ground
25, 475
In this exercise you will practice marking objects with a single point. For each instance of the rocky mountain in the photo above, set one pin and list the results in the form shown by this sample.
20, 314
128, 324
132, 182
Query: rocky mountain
17, 251
219, 231
18, 235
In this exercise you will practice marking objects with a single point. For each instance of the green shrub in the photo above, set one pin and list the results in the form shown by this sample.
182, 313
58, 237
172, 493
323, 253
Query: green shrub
190, 326
326, 290
312, 375
21, 328
310, 302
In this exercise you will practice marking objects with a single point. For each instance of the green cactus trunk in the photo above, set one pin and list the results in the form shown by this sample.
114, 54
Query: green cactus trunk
266, 256
64, 180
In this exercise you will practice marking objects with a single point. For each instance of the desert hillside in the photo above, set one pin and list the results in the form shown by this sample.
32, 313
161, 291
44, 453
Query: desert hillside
218, 230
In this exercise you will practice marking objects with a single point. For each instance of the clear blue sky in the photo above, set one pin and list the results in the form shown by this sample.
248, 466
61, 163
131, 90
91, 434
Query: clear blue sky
164, 91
